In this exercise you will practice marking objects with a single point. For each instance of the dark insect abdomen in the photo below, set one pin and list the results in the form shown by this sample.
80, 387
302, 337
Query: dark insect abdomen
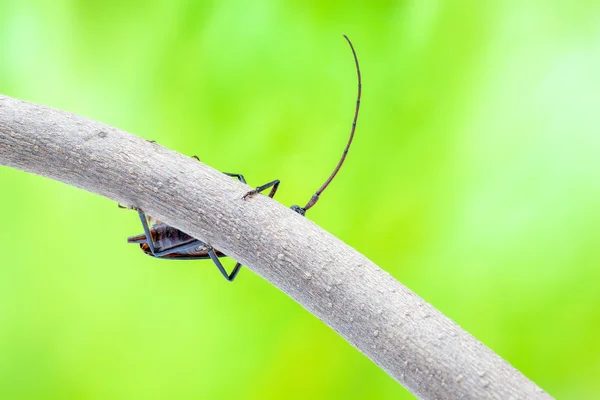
165, 237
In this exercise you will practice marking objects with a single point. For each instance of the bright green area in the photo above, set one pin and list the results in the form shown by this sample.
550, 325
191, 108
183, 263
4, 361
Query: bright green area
474, 179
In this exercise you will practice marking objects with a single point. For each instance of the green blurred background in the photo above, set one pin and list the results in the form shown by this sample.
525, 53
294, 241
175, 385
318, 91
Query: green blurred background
474, 179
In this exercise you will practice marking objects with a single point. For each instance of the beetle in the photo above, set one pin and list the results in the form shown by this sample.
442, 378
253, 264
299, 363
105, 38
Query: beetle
166, 242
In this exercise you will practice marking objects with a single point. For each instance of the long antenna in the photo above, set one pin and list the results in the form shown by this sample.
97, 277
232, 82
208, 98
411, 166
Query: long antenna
315, 197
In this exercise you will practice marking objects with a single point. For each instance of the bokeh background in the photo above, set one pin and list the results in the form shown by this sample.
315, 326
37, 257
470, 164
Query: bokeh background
474, 179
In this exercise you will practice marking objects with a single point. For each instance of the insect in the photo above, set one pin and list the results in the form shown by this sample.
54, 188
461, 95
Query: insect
166, 242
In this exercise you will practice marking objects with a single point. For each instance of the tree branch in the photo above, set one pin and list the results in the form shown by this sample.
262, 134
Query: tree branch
417, 345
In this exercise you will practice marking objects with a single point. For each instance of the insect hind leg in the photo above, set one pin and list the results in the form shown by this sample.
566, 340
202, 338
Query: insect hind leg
234, 272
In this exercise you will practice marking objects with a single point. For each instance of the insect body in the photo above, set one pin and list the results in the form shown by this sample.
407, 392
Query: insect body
172, 244
163, 241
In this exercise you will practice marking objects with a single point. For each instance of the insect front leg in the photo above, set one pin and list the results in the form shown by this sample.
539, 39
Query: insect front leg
236, 269
273, 185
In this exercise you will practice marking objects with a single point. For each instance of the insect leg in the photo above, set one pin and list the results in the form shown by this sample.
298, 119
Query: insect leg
178, 248
174, 249
273, 185
239, 176
147, 231
236, 269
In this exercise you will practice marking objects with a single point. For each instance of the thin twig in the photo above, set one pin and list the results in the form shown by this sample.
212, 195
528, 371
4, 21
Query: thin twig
417, 345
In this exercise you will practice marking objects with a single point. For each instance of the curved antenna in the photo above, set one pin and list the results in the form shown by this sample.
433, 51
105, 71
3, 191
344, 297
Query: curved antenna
313, 200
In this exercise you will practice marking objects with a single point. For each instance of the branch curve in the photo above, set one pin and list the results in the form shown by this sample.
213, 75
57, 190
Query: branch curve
413, 342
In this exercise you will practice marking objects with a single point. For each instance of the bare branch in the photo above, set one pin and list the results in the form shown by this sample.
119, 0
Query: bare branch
416, 344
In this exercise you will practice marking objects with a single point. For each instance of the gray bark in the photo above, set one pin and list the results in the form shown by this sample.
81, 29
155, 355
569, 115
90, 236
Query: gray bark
416, 344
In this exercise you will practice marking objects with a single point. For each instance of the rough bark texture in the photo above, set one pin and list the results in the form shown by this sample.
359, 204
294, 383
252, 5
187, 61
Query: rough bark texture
417, 345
